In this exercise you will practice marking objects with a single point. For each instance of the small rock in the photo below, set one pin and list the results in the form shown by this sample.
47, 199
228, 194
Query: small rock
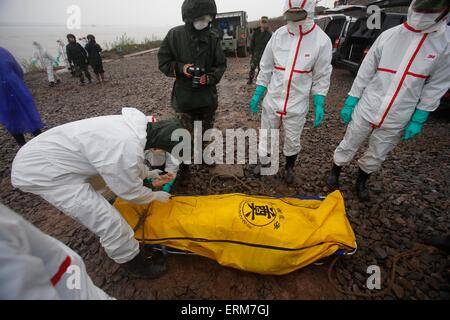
380, 253
398, 291
400, 221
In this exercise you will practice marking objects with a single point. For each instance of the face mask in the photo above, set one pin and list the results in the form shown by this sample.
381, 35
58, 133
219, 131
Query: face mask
422, 21
294, 26
202, 23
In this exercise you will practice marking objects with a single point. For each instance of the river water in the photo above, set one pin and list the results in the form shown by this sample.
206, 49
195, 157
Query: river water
18, 39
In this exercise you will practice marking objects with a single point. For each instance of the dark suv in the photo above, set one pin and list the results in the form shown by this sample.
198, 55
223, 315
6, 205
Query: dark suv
336, 27
360, 38
336, 23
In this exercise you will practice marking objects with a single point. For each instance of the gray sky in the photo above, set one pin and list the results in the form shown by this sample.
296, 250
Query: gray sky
156, 13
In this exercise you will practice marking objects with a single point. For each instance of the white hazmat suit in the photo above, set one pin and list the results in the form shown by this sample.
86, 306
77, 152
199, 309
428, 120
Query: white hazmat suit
295, 63
405, 69
35, 266
46, 60
58, 164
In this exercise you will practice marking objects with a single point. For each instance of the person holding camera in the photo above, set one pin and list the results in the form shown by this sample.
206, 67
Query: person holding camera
193, 55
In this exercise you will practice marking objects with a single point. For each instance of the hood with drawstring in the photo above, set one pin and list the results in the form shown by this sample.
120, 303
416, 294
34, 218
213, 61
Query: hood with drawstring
307, 5
193, 9
158, 135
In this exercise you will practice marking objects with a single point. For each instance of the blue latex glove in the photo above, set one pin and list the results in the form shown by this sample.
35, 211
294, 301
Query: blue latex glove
347, 110
259, 93
416, 124
319, 105
168, 186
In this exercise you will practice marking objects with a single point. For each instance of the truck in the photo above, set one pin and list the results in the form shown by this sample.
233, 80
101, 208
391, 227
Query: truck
234, 32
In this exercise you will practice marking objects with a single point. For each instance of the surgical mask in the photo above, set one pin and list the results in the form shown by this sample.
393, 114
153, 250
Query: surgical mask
202, 23
423, 14
422, 21
294, 27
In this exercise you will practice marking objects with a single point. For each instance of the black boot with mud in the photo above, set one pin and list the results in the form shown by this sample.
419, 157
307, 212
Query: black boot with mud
361, 186
143, 267
440, 242
333, 177
290, 172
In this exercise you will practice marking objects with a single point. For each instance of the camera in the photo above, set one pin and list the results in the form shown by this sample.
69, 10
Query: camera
197, 73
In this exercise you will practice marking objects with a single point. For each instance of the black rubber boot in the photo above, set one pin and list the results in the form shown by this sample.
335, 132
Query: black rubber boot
440, 242
20, 139
333, 177
361, 186
290, 172
51, 84
146, 268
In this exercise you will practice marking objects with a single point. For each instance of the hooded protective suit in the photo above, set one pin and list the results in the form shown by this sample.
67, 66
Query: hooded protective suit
405, 70
45, 59
58, 164
295, 63
36, 266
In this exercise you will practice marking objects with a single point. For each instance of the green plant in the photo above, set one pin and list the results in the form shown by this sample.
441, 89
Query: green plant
125, 45
30, 66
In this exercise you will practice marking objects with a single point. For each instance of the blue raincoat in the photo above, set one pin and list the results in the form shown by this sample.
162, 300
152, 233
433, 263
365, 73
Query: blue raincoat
18, 113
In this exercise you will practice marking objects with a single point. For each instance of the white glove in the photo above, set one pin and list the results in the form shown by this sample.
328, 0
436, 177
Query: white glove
154, 174
161, 196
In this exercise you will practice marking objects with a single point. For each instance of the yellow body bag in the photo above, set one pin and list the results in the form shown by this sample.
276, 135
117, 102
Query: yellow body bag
264, 235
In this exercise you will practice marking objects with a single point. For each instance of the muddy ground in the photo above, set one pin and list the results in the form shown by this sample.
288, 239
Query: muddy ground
409, 202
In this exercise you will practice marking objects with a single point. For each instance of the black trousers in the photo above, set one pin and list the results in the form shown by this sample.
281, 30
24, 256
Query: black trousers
20, 138
80, 70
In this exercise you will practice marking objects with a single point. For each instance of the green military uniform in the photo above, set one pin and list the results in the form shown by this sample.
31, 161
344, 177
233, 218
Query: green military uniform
260, 39
186, 45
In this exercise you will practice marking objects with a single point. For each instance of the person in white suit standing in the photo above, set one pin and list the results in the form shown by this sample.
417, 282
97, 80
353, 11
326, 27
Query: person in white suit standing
296, 63
41, 55
401, 81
